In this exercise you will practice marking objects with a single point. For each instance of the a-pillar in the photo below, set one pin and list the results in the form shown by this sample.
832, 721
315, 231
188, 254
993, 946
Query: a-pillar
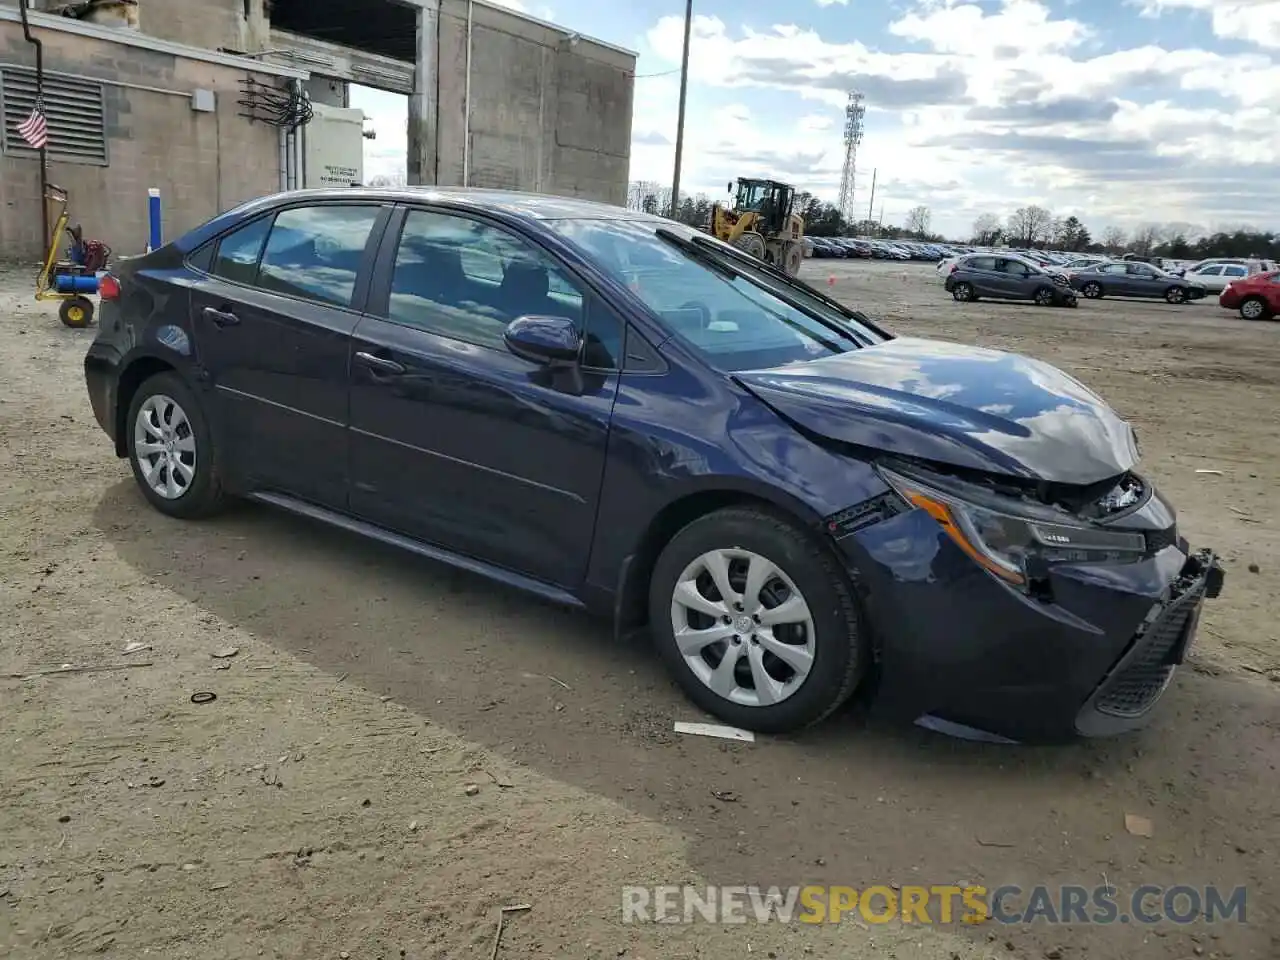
423, 102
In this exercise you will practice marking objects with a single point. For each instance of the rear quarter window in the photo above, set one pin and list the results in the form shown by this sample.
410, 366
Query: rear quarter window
202, 258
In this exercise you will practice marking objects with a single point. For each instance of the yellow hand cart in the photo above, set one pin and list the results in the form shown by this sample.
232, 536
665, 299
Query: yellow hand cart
73, 279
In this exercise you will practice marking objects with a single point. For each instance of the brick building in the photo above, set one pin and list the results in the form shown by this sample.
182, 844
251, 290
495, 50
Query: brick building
161, 105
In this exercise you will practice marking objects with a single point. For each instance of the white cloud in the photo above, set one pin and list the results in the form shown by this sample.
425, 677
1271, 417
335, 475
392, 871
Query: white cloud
1251, 21
832, 3
998, 105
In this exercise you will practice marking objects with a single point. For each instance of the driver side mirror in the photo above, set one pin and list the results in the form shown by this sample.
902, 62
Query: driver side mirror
546, 341
729, 187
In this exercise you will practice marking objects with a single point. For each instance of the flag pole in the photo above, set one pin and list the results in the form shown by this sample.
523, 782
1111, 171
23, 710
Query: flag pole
44, 161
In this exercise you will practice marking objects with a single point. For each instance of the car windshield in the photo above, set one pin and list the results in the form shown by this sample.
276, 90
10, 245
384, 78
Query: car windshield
736, 322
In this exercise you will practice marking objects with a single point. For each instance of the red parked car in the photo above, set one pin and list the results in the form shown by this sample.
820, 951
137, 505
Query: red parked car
1256, 297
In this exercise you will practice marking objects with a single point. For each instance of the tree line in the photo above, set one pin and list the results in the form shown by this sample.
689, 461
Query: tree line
1030, 226
1035, 226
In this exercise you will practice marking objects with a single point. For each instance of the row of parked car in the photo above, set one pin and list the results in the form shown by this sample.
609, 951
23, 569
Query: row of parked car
1250, 286
868, 249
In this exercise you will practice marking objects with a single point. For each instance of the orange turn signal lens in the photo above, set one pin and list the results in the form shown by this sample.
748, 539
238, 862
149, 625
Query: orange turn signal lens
941, 512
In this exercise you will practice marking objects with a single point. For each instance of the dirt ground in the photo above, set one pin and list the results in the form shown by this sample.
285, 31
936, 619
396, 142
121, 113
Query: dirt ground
320, 806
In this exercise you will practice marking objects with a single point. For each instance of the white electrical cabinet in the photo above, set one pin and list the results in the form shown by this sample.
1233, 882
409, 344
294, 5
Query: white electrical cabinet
334, 147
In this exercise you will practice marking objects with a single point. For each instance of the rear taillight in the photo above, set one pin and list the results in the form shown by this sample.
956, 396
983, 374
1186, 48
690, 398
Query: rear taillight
109, 287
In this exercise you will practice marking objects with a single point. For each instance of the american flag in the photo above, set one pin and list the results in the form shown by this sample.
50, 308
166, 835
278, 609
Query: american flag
35, 129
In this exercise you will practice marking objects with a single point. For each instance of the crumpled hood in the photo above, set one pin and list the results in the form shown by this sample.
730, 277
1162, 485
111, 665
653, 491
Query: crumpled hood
965, 406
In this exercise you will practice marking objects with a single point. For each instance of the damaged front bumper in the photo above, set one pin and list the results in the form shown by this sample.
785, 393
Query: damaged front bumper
1137, 680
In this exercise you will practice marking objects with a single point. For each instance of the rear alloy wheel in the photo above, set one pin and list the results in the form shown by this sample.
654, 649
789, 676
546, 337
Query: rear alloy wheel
1176, 295
963, 292
1092, 290
1044, 297
171, 449
1255, 308
756, 621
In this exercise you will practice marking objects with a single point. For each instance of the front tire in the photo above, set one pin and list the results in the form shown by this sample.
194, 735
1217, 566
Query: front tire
1092, 290
171, 449
756, 621
1044, 297
1176, 295
1255, 308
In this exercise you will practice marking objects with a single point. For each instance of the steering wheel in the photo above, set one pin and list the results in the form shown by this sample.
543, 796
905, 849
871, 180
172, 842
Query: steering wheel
702, 309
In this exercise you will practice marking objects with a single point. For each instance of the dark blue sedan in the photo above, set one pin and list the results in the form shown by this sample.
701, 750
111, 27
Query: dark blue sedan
618, 413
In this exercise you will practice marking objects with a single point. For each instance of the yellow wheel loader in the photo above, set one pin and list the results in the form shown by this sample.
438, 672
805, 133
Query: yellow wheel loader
762, 223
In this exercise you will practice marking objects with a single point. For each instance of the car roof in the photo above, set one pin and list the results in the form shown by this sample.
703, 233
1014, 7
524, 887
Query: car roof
533, 206
510, 204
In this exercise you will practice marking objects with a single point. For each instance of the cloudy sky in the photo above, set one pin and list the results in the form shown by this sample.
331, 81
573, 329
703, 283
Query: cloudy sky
1121, 111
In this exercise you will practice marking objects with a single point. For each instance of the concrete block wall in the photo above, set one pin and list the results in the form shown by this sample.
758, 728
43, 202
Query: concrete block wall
203, 163
548, 114
210, 24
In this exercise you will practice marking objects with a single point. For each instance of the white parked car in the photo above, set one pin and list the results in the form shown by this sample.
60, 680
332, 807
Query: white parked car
1216, 276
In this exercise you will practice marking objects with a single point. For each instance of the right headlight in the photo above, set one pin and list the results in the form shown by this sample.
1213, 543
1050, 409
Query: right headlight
1012, 538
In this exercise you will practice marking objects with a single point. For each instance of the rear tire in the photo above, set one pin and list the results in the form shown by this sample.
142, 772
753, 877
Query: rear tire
963, 293
792, 258
1255, 308
783, 676
171, 449
751, 243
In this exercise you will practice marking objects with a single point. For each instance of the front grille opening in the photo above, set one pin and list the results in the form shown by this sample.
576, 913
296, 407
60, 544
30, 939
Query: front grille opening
1134, 688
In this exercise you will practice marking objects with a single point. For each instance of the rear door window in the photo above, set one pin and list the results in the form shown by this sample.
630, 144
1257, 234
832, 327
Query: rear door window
980, 263
314, 253
1210, 272
1235, 271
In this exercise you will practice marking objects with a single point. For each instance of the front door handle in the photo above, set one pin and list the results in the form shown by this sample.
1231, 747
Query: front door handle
221, 318
381, 364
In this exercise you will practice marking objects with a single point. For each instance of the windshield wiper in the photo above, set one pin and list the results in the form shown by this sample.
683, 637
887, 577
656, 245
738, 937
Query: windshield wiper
712, 255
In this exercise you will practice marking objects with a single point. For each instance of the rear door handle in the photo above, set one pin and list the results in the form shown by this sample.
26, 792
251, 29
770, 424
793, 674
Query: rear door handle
381, 364
221, 318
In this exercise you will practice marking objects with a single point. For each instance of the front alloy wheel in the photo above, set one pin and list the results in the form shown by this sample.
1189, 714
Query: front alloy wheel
1176, 295
1044, 297
743, 628
1092, 290
756, 619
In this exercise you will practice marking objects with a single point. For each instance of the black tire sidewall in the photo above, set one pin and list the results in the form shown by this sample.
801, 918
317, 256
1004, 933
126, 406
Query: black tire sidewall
84, 304
838, 659
204, 492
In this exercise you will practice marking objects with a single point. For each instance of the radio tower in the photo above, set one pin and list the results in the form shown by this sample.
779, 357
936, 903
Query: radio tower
854, 112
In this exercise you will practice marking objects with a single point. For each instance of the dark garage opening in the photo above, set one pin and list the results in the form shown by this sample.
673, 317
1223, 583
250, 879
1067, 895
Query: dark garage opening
374, 26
